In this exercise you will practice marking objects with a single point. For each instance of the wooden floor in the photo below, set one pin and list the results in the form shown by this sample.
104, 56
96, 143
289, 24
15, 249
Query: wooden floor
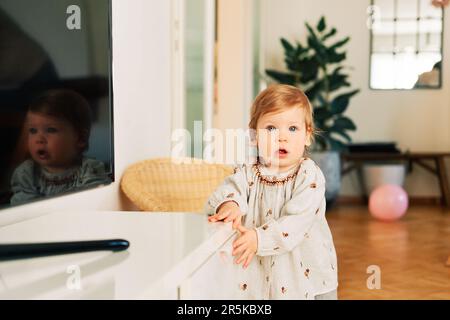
411, 253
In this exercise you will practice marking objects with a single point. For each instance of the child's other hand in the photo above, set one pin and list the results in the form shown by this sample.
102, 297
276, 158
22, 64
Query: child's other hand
228, 211
245, 246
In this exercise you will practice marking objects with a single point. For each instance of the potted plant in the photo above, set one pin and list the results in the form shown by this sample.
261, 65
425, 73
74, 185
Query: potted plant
317, 69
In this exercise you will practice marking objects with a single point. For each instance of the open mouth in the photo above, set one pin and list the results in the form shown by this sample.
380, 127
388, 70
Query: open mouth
282, 152
42, 154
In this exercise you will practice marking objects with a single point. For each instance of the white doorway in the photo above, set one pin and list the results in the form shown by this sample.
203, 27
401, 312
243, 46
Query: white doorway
216, 66
193, 33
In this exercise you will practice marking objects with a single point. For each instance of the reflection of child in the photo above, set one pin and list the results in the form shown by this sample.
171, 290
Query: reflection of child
430, 78
58, 125
282, 201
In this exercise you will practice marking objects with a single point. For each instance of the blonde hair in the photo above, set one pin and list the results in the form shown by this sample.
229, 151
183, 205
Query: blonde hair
279, 97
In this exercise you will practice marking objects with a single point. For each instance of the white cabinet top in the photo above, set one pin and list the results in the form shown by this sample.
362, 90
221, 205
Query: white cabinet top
165, 248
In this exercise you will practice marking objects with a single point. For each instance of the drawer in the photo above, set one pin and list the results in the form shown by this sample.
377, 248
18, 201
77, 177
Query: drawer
214, 279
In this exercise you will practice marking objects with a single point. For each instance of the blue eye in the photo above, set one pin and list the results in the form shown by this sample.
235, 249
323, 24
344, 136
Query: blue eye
271, 128
52, 130
32, 130
293, 129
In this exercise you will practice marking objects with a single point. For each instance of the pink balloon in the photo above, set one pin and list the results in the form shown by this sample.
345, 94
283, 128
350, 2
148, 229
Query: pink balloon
388, 202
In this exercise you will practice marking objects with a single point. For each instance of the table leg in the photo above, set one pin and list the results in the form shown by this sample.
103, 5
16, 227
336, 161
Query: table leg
362, 183
443, 181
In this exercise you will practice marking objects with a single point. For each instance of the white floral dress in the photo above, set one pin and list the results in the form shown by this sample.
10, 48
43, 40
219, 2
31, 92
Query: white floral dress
296, 258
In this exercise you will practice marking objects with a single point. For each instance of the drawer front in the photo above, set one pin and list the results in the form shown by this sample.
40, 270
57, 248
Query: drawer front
214, 279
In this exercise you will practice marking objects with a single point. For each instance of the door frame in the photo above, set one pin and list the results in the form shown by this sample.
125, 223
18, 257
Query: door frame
178, 104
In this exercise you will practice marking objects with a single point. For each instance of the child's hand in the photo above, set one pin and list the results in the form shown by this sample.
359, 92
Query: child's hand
228, 211
246, 245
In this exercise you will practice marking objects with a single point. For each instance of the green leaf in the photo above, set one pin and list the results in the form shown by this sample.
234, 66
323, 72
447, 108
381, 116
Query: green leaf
321, 114
308, 69
341, 102
340, 132
292, 64
319, 49
334, 57
317, 45
312, 92
340, 43
300, 49
344, 123
289, 49
322, 100
320, 143
336, 144
336, 71
329, 34
321, 26
311, 31
338, 81
282, 77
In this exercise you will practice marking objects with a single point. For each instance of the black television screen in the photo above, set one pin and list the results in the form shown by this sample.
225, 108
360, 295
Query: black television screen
55, 98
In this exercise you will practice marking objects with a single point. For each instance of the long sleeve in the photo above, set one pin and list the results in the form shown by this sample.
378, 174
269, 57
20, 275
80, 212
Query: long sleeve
22, 184
234, 188
297, 216
92, 173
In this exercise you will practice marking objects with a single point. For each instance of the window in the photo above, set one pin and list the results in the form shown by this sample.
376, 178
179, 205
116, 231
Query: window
406, 44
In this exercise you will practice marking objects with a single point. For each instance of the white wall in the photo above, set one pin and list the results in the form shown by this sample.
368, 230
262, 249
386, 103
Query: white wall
141, 66
418, 120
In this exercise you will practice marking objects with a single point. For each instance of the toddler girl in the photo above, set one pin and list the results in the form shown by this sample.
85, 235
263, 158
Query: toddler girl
284, 237
58, 124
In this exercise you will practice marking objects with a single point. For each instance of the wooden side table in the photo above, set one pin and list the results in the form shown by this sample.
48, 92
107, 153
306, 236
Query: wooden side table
351, 161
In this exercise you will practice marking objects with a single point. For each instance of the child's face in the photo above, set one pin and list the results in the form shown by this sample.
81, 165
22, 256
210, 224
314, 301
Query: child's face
282, 137
53, 143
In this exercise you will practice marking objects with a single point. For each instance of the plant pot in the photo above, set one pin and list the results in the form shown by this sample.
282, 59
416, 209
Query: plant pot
376, 175
330, 164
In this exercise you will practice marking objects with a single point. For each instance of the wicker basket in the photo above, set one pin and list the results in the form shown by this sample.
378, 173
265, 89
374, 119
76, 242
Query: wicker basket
172, 185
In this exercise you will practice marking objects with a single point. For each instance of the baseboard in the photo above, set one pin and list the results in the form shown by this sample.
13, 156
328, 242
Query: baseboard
414, 200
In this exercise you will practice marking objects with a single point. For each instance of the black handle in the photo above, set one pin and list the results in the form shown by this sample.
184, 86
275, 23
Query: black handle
31, 250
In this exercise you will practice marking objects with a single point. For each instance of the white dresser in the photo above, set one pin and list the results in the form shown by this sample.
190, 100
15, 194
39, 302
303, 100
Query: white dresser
171, 256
